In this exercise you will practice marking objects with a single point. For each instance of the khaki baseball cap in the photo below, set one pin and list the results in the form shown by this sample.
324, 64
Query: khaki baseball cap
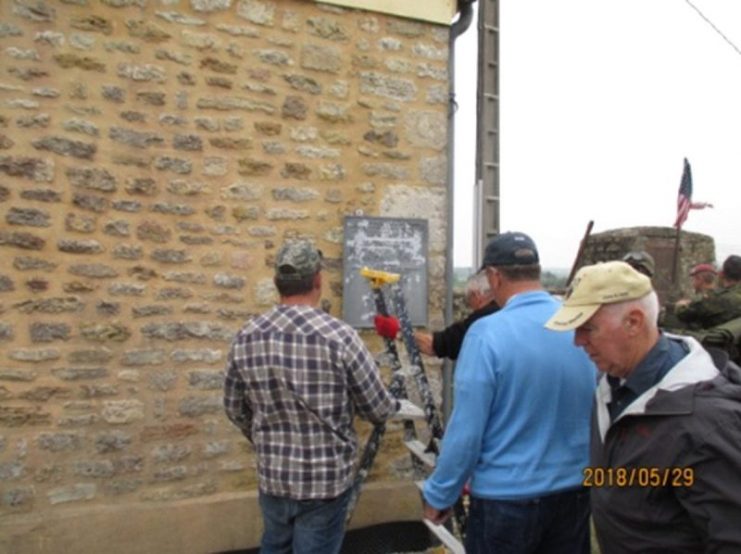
595, 285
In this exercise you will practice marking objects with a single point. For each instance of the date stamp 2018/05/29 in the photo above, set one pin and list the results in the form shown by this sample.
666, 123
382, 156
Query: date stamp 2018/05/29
638, 476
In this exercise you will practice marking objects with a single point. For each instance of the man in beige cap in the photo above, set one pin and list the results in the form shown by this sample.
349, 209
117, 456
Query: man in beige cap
666, 428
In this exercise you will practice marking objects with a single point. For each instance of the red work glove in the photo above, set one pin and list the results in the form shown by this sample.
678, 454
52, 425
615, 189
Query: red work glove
387, 326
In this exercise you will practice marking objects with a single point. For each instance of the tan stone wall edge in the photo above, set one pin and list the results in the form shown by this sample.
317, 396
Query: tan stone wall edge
221, 523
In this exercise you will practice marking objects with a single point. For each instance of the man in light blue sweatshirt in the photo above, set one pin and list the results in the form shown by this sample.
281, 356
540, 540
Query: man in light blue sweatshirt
519, 431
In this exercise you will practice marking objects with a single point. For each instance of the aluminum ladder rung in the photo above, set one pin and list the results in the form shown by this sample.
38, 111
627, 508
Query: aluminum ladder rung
420, 451
442, 533
408, 410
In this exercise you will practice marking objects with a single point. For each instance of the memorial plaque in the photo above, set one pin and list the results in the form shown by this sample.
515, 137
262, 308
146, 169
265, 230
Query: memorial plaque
387, 244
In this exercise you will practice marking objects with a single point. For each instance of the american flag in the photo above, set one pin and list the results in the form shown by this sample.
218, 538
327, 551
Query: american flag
684, 199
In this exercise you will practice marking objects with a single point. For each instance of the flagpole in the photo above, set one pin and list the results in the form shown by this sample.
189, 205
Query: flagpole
675, 261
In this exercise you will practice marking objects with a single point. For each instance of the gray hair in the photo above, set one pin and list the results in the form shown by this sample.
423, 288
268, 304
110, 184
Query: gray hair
648, 304
478, 283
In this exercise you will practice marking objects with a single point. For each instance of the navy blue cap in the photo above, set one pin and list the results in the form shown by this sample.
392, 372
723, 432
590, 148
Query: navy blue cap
510, 249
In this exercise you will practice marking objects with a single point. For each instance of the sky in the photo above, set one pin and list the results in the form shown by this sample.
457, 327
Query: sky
600, 102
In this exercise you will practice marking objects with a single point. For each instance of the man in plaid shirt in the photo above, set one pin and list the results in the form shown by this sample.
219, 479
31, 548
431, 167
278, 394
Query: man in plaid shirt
295, 378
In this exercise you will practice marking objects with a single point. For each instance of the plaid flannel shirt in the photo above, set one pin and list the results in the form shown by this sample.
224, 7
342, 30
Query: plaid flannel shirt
294, 379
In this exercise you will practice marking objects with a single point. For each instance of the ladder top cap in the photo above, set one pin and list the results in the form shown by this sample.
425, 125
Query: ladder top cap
383, 277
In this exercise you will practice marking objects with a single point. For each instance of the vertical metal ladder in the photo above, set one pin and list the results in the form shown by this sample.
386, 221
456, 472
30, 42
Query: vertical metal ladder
487, 129
423, 456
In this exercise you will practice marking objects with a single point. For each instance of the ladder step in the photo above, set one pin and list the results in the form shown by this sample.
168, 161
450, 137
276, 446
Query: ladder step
419, 450
446, 537
441, 532
408, 410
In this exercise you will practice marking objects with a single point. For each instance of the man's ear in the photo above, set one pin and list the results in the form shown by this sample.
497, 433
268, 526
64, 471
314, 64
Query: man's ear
317, 282
634, 322
490, 276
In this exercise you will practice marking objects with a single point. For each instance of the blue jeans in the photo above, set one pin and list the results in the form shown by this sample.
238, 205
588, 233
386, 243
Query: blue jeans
553, 524
303, 526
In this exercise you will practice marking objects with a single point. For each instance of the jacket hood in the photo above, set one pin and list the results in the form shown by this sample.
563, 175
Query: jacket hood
722, 360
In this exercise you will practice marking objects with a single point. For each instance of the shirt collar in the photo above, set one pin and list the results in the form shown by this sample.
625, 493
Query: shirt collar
522, 297
654, 365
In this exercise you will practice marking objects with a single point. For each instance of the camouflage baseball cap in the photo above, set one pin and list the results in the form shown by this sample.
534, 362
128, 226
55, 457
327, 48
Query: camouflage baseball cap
642, 261
297, 259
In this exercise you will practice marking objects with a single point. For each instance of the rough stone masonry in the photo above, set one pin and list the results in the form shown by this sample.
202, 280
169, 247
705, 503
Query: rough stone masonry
153, 154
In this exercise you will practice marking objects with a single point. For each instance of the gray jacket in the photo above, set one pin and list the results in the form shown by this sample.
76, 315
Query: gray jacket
679, 444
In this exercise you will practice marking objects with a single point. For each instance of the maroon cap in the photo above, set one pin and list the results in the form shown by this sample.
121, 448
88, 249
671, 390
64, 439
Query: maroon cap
700, 268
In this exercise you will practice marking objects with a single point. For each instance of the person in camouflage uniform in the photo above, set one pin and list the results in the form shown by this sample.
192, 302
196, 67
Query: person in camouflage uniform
721, 306
703, 280
716, 320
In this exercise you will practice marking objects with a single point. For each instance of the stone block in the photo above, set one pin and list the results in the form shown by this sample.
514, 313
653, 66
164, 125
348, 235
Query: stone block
294, 107
128, 251
36, 169
31, 217
170, 453
151, 310
54, 305
92, 23
175, 331
122, 412
206, 380
257, 12
192, 143
172, 208
143, 357
72, 493
80, 223
97, 469
204, 355
147, 31
170, 256
176, 165
112, 441
34, 355
79, 373
90, 356
104, 332
90, 202
326, 28
72, 246
41, 195
23, 415
137, 139
59, 442
196, 406
49, 332
210, 5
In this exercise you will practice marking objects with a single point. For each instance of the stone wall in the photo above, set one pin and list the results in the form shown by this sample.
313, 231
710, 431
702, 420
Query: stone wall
660, 242
154, 153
